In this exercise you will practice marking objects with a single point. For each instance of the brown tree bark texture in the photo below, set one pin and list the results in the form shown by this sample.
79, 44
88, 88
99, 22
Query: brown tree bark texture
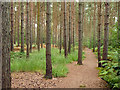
48, 42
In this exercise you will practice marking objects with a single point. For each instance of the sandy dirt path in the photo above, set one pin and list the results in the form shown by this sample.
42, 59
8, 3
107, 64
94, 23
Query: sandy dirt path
85, 75
79, 76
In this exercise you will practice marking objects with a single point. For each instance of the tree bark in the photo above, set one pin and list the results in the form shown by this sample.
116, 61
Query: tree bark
48, 42
34, 28
30, 6
42, 23
12, 45
106, 31
99, 31
65, 31
119, 32
69, 45
119, 23
18, 29
80, 35
15, 19
0, 46
61, 26
73, 28
5, 26
94, 30
38, 26
22, 27
27, 29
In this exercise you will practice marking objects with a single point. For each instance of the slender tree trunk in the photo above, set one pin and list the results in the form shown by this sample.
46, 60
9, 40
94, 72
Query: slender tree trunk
119, 33
27, 29
42, 28
69, 45
99, 31
61, 26
12, 46
65, 31
15, 24
106, 31
22, 27
18, 12
80, 35
118, 23
30, 6
34, 11
90, 28
5, 47
73, 29
38, 26
48, 43
0, 46
83, 10
94, 29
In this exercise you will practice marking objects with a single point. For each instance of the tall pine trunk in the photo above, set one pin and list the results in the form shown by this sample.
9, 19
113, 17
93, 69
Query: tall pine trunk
61, 26
15, 18
119, 32
18, 29
106, 31
22, 27
73, 28
48, 42
65, 31
38, 26
30, 6
69, 44
94, 30
12, 45
5, 44
27, 29
80, 35
99, 33
0, 45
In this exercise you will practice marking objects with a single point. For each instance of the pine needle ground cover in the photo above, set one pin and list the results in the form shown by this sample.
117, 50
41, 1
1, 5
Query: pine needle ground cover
37, 62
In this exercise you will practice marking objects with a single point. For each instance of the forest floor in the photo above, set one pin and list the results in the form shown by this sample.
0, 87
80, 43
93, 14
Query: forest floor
79, 76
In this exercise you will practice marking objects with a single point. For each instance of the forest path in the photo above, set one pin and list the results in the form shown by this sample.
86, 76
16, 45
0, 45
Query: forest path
79, 76
85, 75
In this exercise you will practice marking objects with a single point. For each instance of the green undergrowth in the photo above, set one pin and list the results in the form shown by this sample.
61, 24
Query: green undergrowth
37, 62
110, 70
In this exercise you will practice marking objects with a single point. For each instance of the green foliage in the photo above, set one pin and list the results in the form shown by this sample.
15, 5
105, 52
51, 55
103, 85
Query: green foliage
110, 68
109, 72
37, 62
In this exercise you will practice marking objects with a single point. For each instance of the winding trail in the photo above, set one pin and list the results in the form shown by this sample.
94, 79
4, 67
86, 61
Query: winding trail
79, 76
85, 75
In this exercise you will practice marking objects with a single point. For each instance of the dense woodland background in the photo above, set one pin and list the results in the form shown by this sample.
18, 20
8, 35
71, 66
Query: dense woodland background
64, 29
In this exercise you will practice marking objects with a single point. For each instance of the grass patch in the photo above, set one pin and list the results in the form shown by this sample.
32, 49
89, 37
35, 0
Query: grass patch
82, 86
37, 62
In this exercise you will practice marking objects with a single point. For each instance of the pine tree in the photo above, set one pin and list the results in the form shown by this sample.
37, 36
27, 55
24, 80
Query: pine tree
18, 24
30, 6
65, 31
106, 31
99, 33
38, 25
4, 44
22, 27
94, 31
12, 45
27, 29
69, 44
80, 35
48, 42
61, 25
73, 26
